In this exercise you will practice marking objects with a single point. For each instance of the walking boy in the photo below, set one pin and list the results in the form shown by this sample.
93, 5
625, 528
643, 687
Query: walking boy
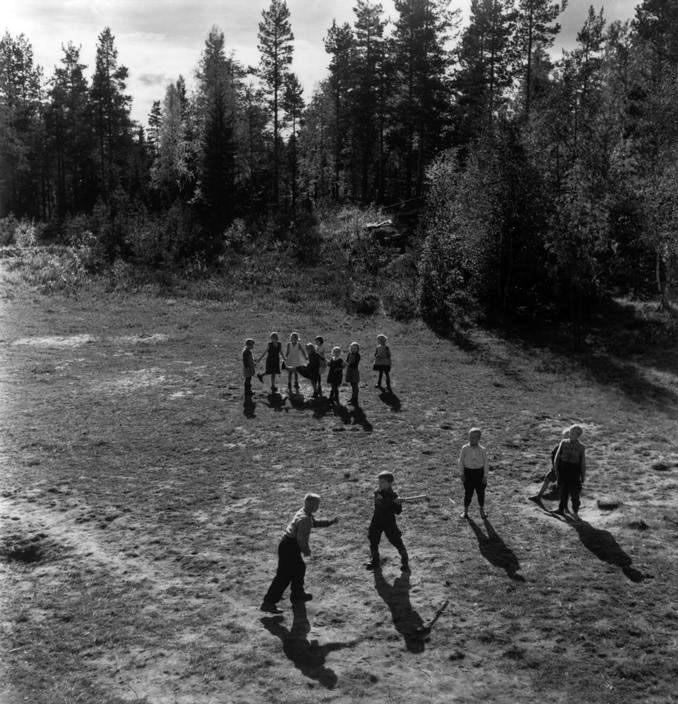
387, 506
473, 468
291, 566
248, 369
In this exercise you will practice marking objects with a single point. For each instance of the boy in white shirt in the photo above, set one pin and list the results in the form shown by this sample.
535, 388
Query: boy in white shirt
473, 469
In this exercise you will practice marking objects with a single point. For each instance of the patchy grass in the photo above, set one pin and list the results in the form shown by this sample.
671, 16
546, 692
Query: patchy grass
142, 501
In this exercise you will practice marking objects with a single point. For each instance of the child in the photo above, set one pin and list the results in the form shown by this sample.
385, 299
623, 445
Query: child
335, 374
382, 361
273, 354
294, 357
248, 365
550, 475
386, 506
312, 371
291, 566
320, 349
352, 372
570, 468
473, 468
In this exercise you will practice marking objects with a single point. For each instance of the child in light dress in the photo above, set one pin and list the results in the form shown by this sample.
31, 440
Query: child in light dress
295, 357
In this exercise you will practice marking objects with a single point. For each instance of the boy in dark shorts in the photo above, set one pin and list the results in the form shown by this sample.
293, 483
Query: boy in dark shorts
291, 566
473, 469
387, 506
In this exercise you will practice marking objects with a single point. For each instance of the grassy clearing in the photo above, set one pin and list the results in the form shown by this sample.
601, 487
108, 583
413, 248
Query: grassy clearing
142, 503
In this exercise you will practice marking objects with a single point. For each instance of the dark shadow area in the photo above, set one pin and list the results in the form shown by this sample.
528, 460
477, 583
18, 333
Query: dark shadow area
495, 550
308, 656
613, 346
604, 546
391, 400
359, 418
249, 407
275, 401
406, 620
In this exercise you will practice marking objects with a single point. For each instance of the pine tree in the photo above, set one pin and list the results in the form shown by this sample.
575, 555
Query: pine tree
21, 130
216, 106
293, 104
70, 133
536, 30
339, 44
369, 97
111, 114
276, 49
484, 74
421, 99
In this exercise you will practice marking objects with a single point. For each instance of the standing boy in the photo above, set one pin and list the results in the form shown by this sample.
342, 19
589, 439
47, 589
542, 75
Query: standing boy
473, 469
570, 468
248, 369
387, 506
291, 566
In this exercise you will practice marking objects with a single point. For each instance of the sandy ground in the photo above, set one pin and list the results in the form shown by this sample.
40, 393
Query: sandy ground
141, 502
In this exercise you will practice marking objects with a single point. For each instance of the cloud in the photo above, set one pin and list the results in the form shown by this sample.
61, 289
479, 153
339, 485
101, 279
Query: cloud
152, 79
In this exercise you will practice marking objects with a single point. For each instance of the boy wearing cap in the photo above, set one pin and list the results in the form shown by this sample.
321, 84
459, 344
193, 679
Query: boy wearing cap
473, 469
291, 566
387, 506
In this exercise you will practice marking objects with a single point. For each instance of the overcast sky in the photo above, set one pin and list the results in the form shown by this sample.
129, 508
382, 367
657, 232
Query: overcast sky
159, 39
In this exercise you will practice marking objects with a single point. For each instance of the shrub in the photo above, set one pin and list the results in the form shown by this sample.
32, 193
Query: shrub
236, 236
8, 227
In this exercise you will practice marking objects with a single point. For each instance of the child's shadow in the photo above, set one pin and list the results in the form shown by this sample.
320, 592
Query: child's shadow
275, 401
604, 546
249, 407
495, 550
390, 399
307, 656
356, 416
406, 620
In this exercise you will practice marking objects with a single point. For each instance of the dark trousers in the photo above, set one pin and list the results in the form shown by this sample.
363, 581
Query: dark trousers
473, 481
291, 570
388, 378
569, 485
354, 392
393, 535
334, 393
248, 386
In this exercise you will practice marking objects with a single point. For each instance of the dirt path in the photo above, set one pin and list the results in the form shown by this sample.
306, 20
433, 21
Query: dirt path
142, 502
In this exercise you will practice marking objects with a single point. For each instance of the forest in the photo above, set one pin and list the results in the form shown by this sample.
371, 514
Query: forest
516, 182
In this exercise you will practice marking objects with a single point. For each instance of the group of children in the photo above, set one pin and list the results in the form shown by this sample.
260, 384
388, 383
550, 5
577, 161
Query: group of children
568, 469
310, 361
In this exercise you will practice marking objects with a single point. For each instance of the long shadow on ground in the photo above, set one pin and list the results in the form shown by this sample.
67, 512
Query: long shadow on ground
391, 400
406, 620
308, 656
495, 550
604, 546
249, 407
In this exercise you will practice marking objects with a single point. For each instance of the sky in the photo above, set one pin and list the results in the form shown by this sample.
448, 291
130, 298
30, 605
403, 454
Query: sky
157, 40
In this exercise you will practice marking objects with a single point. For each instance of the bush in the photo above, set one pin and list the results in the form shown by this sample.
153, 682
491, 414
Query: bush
8, 227
236, 236
52, 270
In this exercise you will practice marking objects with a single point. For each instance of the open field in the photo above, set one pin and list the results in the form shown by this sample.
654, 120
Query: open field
142, 503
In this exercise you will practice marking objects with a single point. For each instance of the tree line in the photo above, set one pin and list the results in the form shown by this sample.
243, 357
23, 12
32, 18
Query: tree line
544, 179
